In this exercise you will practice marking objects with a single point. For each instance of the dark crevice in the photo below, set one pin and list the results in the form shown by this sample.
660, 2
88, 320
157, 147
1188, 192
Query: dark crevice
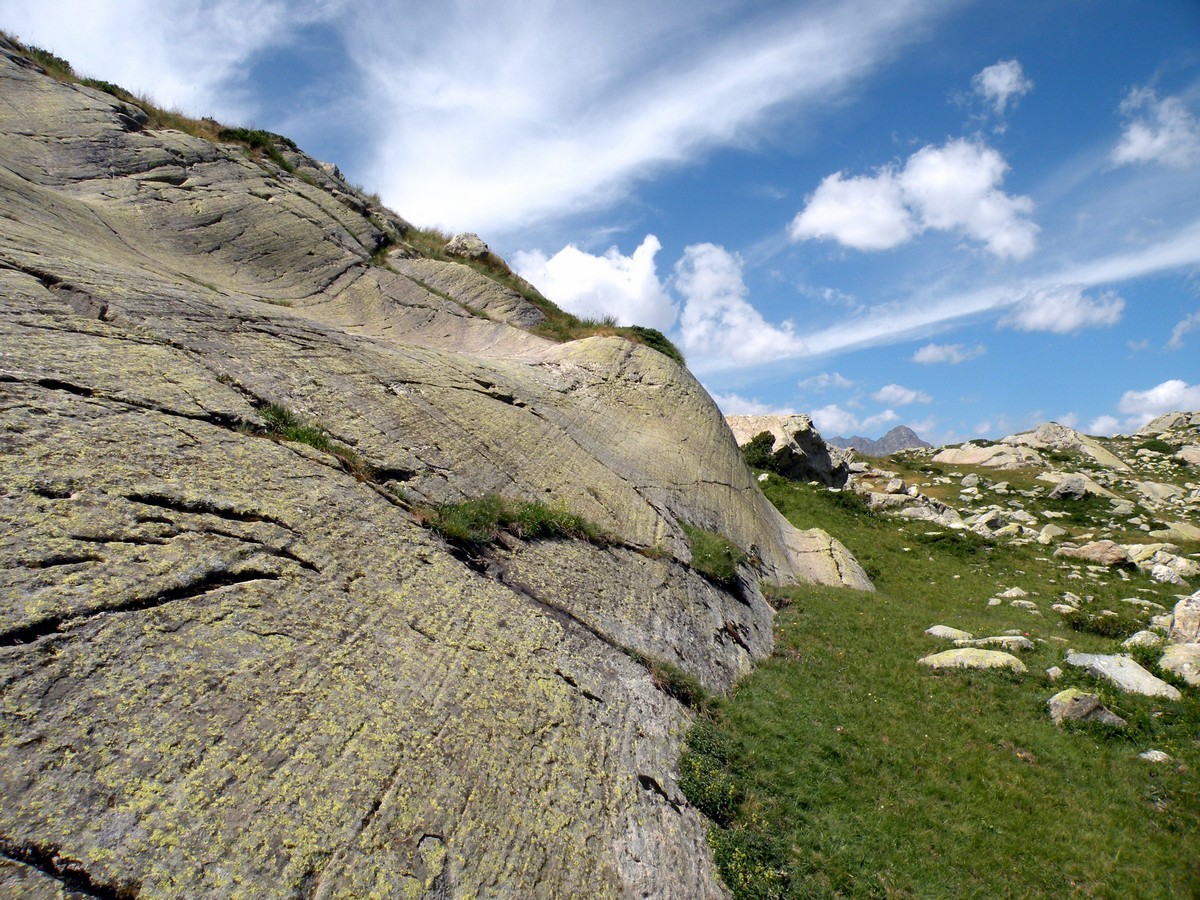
575, 684
64, 559
649, 783
280, 552
47, 859
49, 625
201, 507
54, 384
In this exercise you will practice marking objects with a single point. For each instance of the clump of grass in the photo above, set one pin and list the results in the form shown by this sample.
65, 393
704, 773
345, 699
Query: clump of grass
258, 140
669, 678
483, 520
714, 555
285, 425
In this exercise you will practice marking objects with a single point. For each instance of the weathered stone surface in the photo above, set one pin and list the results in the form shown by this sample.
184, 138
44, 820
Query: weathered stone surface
1185, 621
998, 456
1184, 661
468, 245
476, 292
1155, 756
1102, 553
229, 665
1142, 639
1124, 673
1081, 707
972, 658
1051, 435
947, 633
799, 451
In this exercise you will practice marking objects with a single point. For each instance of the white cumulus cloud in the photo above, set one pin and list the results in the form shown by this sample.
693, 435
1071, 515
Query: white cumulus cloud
1162, 131
952, 187
733, 404
864, 212
719, 328
947, 353
898, 395
625, 287
1104, 425
1174, 395
1063, 309
834, 421
999, 83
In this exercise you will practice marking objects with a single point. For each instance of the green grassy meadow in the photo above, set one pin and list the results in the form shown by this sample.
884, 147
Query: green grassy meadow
863, 774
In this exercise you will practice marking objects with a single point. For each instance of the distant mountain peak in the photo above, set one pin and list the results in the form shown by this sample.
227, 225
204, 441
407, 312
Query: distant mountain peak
899, 438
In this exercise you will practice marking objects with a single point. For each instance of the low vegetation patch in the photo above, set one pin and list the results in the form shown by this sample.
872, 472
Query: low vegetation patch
857, 772
483, 520
285, 425
714, 555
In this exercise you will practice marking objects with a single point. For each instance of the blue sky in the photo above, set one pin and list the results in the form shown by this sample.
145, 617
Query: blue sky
966, 217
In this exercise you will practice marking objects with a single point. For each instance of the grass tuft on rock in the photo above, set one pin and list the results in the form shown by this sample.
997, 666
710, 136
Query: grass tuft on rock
285, 425
714, 555
483, 520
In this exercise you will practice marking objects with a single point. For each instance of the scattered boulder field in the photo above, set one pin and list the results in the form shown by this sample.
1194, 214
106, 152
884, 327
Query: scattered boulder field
1124, 509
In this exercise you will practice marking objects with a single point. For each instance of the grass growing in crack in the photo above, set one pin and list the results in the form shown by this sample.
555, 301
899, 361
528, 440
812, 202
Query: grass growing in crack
714, 555
861, 773
285, 425
483, 520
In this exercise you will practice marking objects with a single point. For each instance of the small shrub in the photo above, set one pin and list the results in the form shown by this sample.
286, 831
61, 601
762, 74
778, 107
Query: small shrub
757, 450
704, 773
1157, 445
714, 555
1118, 626
683, 686
753, 865
962, 544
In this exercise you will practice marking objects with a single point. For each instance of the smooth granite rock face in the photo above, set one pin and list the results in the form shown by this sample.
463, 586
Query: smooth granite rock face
231, 667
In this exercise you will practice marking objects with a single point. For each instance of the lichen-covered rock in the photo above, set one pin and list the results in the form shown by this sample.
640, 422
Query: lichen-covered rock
1124, 672
1183, 660
238, 665
972, 658
799, 451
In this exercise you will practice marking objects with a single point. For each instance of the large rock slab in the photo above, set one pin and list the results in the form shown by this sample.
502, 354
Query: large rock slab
972, 658
1125, 673
996, 456
1101, 553
233, 666
1053, 436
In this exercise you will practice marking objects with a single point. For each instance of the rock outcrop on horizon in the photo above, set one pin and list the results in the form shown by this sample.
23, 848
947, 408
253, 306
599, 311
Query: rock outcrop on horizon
235, 660
799, 452
899, 438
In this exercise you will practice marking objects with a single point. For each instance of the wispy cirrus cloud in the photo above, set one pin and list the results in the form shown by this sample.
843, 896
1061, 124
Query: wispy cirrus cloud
947, 353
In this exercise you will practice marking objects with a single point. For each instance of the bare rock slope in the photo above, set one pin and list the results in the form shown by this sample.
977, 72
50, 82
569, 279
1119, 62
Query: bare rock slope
235, 666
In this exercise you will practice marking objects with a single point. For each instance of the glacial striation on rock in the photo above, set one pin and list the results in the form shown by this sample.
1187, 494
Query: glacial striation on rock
238, 664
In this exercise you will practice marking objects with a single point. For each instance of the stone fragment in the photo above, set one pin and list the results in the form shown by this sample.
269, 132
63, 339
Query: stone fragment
1155, 756
1013, 594
1124, 673
1050, 532
1081, 707
1185, 621
970, 480
1104, 553
948, 633
467, 245
1184, 661
1073, 487
1142, 639
1054, 673
1164, 574
1027, 605
972, 658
